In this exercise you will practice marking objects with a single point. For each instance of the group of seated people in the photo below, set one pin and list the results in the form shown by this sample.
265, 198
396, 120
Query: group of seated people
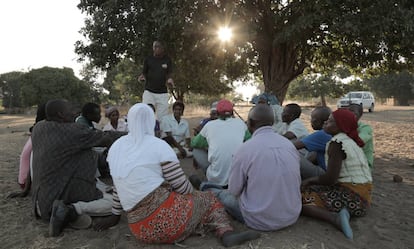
261, 174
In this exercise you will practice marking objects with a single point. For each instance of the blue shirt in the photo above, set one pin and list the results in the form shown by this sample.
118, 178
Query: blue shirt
317, 142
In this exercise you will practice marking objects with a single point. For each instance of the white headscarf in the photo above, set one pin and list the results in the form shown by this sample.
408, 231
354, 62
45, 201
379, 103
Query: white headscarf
141, 122
127, 151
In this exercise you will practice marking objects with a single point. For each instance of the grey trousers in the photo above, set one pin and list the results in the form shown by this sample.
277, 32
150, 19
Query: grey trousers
308, 169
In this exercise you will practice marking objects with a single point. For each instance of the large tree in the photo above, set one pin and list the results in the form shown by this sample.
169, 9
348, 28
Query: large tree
40, 85
280, 38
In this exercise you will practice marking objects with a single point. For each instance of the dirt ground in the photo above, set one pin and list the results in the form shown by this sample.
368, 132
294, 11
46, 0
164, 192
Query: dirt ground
389, 223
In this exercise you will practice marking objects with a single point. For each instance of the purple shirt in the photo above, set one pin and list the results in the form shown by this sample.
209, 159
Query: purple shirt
265, 175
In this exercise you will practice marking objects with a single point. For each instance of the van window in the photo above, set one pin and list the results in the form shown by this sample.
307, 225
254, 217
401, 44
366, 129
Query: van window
354, 95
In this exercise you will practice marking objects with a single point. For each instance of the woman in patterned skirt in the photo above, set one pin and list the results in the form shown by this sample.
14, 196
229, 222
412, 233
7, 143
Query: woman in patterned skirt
345, 189
150, 186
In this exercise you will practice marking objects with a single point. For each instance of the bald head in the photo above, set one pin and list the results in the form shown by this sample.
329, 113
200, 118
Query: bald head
260, 115
59, 110
319, 115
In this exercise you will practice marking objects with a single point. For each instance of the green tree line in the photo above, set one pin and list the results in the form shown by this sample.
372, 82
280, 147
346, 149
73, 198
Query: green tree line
20, 89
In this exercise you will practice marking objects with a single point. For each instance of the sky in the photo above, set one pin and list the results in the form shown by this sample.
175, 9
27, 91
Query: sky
38, 33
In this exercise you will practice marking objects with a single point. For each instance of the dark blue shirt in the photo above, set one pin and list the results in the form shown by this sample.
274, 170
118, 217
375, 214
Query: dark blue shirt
317, 142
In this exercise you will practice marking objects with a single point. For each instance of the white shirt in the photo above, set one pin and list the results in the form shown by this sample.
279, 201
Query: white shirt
180, 131
122, 126
223, 137
278, 126
298, 128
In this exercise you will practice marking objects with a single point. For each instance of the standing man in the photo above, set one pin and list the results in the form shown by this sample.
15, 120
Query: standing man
157, 75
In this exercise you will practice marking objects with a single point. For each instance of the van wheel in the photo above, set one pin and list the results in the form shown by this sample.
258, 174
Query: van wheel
371, 109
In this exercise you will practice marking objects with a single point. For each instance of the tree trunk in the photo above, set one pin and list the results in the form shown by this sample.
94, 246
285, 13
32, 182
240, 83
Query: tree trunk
323, 100
279, 64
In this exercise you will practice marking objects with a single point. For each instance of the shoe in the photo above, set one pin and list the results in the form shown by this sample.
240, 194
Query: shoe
195, 181
59, 218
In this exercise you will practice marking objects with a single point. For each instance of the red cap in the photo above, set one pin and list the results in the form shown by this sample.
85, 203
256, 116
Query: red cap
224, 107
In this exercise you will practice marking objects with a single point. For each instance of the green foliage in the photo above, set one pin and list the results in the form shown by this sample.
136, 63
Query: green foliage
10, 88
396, 85
315, 86
40, 85
122, 83
125, 30
279, 38
329, 84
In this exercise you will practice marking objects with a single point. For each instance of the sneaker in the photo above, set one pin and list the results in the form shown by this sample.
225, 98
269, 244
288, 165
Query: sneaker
58, 218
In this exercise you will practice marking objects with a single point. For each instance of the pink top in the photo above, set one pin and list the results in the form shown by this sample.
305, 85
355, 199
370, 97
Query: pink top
25, 162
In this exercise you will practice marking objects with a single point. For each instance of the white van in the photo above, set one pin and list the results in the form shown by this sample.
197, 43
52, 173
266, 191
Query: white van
365, 99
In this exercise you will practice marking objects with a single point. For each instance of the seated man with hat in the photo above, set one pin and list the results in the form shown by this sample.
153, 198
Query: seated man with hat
222, 137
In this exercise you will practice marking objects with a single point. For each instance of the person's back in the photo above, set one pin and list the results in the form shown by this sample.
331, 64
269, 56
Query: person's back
64, 165
270, 197
223, 137
270, 99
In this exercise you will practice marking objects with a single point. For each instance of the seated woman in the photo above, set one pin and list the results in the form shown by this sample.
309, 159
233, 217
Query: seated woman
177, 131
150, 186
24, 178
345, 189
115, 124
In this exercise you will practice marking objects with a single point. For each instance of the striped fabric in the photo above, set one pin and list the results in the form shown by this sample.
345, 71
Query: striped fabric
174, 175
116, 204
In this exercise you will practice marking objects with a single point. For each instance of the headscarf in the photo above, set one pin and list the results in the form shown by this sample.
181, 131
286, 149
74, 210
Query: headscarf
347, 123
110, 110
271, 99
128, 150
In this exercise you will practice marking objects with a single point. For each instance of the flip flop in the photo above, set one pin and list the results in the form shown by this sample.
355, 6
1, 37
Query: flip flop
346, 227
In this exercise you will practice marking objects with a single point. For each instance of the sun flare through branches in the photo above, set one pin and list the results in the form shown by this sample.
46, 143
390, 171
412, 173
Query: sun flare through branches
224, 34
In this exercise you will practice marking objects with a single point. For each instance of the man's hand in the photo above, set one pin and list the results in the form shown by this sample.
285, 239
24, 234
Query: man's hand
106, 222
183, 152
141, 77
170, 82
